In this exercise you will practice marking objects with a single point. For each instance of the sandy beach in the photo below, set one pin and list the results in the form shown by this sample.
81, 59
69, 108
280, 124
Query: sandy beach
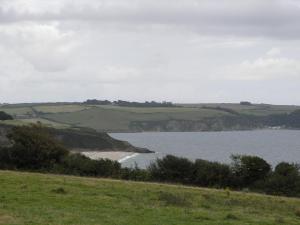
112, 155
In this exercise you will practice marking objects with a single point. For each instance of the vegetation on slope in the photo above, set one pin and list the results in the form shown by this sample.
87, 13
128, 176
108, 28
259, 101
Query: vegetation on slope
34, 149
36, 199
122, 116
79, 139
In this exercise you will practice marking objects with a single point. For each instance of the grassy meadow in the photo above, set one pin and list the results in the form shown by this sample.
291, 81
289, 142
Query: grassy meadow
40, 199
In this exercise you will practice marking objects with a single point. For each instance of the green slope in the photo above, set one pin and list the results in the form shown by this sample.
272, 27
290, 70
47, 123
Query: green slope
116, 118
79, 139
32, 199
185, 117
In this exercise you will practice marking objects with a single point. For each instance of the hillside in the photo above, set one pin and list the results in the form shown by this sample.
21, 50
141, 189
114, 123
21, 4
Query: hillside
81, 140
37, 199
180, 117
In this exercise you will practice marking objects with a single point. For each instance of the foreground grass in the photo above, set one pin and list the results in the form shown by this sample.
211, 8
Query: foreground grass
27, 198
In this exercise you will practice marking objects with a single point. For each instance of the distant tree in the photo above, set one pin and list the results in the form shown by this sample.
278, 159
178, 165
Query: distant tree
143, 104
245, 103
97, 102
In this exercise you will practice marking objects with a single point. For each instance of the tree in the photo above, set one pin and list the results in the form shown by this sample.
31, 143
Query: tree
206, 173
34, 148
249, 169
284, 181
172, 168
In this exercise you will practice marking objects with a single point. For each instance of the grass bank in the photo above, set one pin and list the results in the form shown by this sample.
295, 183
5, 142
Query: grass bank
29, 198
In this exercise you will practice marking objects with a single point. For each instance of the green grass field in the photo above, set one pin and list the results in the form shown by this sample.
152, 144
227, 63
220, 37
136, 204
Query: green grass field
49, 123
32, 199
60, 108
255, 109
18, 111
118, 119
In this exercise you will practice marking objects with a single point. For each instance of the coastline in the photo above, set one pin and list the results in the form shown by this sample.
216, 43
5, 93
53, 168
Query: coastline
112, 155
128, 157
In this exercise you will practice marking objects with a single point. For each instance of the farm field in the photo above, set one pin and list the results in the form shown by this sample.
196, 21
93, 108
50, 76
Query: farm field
39, 199
111, 118
20, 122
119, 118
59, 108
255, 109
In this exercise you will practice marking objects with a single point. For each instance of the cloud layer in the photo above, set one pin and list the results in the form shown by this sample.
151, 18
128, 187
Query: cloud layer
191, 51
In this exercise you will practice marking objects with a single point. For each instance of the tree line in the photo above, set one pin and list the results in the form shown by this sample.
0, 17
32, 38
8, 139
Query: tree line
34, 149
128, 103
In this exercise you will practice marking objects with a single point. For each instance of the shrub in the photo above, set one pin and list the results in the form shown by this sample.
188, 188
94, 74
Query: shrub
33, 148
207, 173
136, 174
249, 169
172, 168
78, 164
284, 181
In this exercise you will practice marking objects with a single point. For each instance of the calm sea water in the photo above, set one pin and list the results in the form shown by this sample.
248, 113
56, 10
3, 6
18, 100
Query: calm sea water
273, 145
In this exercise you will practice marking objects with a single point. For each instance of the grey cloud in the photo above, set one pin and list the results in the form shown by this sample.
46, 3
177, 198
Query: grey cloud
275, 19
184, 51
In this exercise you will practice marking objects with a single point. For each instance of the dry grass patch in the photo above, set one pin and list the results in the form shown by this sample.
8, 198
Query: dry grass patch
6, 219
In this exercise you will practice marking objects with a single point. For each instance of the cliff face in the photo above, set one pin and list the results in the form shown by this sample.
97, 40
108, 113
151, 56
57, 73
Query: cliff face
82, 140
208, 124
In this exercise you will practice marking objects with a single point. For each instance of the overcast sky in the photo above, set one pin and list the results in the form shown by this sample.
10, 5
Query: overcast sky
180, 51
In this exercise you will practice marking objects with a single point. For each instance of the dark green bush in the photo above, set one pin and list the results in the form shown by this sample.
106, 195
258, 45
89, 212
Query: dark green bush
248, 170
212, 174
135, 173
33, 148
78, 164
284, 181
172, 168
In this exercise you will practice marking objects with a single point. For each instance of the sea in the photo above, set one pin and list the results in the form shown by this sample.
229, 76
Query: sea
273, 145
